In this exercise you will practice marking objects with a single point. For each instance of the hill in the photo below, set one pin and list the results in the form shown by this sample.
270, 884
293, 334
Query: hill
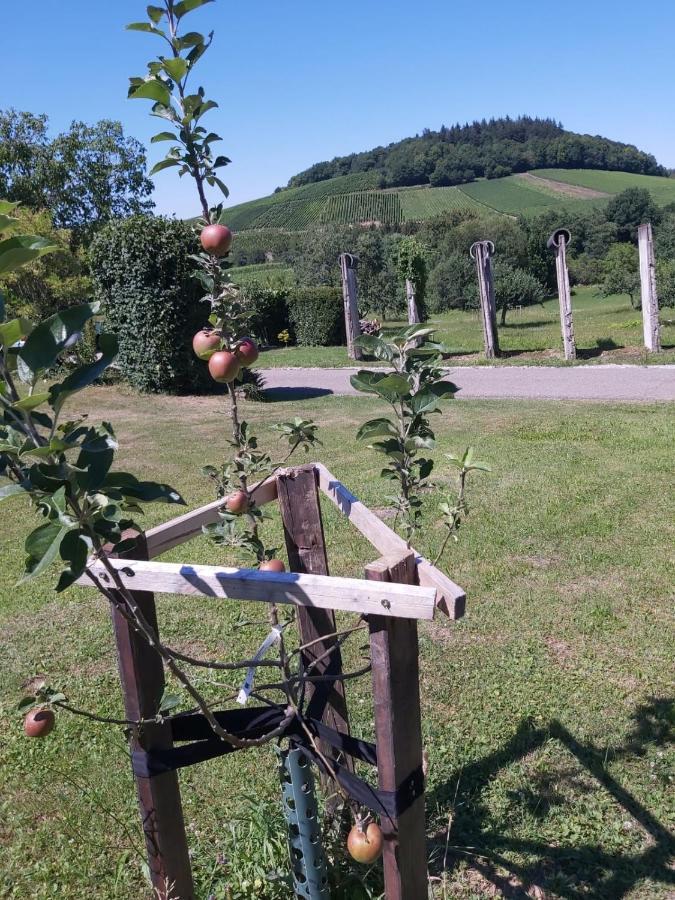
355, 198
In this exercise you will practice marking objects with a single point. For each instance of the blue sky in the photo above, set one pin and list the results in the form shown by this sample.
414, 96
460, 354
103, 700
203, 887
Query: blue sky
301, 81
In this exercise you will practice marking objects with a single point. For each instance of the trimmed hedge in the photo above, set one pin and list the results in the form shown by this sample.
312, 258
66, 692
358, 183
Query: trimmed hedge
317, 316
270, 311
142, 273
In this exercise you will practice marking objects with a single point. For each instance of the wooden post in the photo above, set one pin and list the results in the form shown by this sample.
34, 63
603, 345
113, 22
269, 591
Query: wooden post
303, 532
482, 252
411, 300
648, 293
142, 676
398, 730
348, 264
558, 241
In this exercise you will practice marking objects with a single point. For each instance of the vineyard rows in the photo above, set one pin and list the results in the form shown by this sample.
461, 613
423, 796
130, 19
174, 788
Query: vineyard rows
363, 206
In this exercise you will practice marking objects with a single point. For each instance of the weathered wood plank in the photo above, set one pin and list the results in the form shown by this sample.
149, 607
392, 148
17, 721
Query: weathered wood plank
349, 594
348, 264
176, 531
398, 730
558, 241
142, 677
451, 599
482, 252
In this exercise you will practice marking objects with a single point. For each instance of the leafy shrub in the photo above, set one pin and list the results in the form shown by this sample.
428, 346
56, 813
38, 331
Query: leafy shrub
142, 272
317, 317
270, 311
452, 284
585, 269
516, 287
665, 282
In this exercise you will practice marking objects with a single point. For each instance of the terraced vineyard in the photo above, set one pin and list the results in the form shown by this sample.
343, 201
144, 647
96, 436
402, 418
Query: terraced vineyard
354, 199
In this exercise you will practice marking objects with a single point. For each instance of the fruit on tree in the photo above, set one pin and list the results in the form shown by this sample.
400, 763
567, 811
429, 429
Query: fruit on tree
272, 565
39, 722
216, 239
237, 503
247, 352
205, 343
224, 366
365, 842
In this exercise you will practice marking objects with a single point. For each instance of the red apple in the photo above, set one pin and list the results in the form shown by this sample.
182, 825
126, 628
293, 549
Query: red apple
247, 351
272, 565
39, 722
216, 239
237, 503
224, 366
205, 343
365, 844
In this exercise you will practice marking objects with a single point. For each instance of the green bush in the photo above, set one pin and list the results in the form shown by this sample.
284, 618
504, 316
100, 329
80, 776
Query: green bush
317, 317
452, 284
270, 311
142, 272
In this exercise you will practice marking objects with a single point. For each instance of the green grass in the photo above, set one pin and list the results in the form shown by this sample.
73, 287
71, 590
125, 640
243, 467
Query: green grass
425, 203
546, 710
606, 330
662, 189
273, 273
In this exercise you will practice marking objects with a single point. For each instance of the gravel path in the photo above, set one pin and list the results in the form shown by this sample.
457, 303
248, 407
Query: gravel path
602, 383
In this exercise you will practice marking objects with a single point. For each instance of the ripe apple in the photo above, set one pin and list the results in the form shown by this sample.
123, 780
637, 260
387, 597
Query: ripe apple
237, 503
216, 239
39, 722
224, 366
365, 844
205, 343
272, 565
247, 352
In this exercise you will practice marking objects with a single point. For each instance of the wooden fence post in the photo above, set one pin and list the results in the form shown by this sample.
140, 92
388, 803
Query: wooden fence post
303, 532
558, 242
398, 730
411, 300
348, 263
648, 292
481, 252
142, 676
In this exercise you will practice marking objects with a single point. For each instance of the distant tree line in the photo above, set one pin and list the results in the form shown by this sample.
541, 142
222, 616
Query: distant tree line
490, 149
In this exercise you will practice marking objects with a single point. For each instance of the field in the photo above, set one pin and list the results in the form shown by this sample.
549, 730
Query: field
545, 710
606, 329
355, 198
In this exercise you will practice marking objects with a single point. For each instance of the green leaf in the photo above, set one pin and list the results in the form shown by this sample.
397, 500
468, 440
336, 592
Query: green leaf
144, 26
155, 13
389, 386
11, 490
26, 704
21, 249
75, 548
14, 330
147, 491
48, 340
152, 89
42, 547
164, 164
31, 402
176, 67
163, 136
169, 701
185, 6
85, 375
190, 39
376, 428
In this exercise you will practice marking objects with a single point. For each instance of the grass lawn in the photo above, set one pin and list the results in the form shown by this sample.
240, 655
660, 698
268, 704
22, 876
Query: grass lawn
546, 710
606, 330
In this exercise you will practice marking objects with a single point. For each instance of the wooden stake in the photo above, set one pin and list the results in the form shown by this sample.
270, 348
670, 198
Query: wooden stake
411, 300
482, 252
398, 729
142, 676
348, 264
306, 547
558, 241
648, 293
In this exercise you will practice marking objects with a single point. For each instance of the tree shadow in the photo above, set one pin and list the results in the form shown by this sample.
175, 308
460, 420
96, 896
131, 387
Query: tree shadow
602, 345
517, 326
282, 394
571, 872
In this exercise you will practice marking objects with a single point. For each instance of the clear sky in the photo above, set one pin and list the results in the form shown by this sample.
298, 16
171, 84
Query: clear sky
305, 80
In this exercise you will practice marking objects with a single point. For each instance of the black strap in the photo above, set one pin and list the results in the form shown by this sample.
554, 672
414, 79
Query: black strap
255, 722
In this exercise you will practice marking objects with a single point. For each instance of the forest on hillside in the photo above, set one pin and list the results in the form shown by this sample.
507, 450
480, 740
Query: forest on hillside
485, 149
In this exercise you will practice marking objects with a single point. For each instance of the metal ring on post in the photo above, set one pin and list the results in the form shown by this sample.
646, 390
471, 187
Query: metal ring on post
351, 260
490, 245
554, 241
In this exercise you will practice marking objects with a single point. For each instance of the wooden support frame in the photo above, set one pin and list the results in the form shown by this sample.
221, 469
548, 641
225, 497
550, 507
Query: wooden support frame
648, 292
398, 733
481, 252
398, 589
558, 242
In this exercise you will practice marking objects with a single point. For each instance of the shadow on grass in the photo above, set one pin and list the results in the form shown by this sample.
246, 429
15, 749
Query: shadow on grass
602, 345
571, 872
282, 394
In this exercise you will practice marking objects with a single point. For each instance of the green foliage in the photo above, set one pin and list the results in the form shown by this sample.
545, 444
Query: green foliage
269, 311
317, 316
621, 272
85, 176
378, 288
515, 287
452, 284
412, 266
631, 208
665, 282
143, 274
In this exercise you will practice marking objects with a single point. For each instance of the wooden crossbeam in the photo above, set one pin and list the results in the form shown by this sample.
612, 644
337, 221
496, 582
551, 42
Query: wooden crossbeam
451, 599
183, 528
322, 591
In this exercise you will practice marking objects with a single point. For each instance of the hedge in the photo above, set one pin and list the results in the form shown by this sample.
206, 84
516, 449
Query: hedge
316, 316
269, 307
142, 272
